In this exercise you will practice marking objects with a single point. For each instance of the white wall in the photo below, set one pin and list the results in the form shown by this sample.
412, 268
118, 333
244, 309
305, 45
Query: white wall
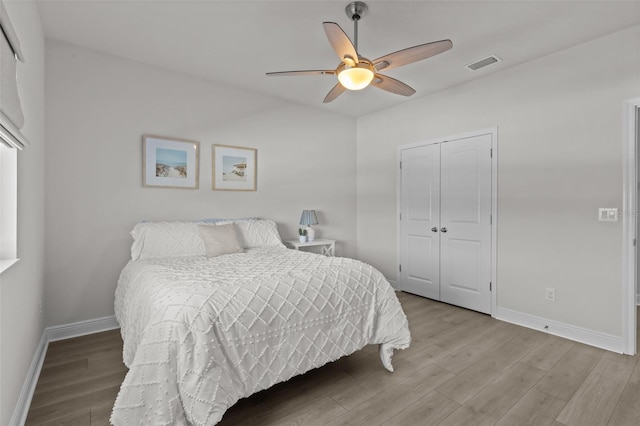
21, 286
98, 108
560, 133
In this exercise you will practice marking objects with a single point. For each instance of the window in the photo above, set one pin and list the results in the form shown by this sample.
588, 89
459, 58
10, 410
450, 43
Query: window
11, 140
8, 206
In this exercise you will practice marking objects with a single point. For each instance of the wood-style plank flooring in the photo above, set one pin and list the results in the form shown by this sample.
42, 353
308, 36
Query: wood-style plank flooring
463, 368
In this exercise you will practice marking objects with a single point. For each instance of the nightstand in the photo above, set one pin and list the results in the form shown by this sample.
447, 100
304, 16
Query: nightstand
328, 246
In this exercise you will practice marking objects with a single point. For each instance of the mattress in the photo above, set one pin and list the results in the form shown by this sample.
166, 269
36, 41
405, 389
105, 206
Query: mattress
201, 333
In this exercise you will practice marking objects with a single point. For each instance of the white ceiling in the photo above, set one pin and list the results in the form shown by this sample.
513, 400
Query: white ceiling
236, 42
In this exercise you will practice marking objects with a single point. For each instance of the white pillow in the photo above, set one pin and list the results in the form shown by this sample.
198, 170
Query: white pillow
220, 239
166, 239
257, 232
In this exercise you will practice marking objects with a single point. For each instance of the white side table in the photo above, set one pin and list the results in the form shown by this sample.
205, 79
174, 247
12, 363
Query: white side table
328, 246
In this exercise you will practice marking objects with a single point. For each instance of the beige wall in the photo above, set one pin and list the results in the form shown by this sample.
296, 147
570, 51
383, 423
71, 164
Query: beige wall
21, 286
560, 140
98, 108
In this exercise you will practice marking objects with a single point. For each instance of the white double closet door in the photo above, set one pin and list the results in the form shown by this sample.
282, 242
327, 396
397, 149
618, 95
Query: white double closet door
445, 222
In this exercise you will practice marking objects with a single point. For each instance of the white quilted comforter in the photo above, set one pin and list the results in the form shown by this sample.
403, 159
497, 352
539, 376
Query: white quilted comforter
200, 333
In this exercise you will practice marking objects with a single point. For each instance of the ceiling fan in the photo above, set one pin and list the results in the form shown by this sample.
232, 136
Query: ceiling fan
355, 72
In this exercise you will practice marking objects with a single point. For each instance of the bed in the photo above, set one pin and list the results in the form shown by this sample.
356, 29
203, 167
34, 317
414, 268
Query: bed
202, 331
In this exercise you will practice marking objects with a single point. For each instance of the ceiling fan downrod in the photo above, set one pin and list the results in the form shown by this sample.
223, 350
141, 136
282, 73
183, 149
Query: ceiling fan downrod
355, 11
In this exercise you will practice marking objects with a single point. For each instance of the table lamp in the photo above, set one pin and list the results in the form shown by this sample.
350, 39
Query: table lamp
309, 218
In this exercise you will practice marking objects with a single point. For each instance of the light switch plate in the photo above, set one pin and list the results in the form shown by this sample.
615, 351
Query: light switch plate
607, 214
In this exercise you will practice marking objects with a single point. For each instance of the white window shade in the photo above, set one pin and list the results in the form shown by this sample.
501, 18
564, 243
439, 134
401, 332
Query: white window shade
11, 117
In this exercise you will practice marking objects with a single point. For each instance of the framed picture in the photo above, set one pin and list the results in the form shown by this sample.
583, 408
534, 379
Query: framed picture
169, 162
234, 168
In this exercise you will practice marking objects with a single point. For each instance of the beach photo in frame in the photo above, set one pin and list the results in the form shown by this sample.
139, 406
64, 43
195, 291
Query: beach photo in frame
169, 162
234, 168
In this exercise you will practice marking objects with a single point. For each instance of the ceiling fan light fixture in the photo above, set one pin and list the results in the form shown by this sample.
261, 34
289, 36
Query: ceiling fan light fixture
355, 78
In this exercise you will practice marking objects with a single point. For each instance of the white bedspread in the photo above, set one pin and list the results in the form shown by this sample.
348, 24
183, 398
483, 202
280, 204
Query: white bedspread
200, 333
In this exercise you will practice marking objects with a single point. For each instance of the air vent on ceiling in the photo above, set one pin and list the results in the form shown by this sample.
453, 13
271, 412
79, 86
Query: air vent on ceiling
483, 62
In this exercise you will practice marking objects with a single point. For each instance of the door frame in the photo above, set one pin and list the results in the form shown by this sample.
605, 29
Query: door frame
629, 217
493, 131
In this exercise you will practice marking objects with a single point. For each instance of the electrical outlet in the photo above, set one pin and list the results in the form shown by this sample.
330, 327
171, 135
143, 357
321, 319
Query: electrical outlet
550, 294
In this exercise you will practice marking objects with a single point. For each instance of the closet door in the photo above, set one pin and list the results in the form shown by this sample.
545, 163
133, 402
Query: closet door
420, 221
465, 223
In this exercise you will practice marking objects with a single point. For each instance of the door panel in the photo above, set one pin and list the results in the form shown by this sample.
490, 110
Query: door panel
419, 248
465, 247
469, 254
420, 210
462, 186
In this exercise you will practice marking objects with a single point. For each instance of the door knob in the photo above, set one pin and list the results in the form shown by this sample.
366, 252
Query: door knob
434, 229
443, 229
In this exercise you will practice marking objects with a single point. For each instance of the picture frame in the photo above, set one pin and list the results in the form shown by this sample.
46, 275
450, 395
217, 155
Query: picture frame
234, 168
169, 162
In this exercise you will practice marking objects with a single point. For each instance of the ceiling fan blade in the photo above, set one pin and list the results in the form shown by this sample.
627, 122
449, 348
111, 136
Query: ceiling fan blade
412, 54
337, 90
392, 85
341, 43
305, 72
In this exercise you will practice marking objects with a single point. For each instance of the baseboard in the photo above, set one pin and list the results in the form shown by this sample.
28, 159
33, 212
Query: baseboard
26, 394
568, 331
81, 328
51, 334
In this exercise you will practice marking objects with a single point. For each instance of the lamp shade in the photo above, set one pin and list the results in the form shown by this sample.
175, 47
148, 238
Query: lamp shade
308, 218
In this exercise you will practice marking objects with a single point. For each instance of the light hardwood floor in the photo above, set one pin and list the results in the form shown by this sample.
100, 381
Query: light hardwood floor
462, 368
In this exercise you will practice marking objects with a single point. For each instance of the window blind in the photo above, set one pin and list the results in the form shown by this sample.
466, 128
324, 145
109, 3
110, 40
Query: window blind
11, 116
